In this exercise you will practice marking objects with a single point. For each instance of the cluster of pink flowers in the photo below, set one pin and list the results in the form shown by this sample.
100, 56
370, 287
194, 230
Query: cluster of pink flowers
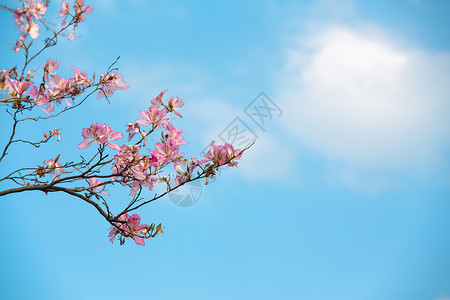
31, 10
173, 104
79, 14
26, 17
134, 166
132, 228
131, 165
56, 88
136, 170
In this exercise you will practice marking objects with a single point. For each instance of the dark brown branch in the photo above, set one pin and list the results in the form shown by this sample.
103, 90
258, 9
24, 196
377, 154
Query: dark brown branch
48, 188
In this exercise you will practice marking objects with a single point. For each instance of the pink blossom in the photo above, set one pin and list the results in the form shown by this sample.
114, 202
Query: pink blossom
4, 80
40, 99
132, 129
56, 132
60, 86
132, 227
55, 167
39, 9
128, 156
157, 101
148, 182
130, 164
185, 175
17, 46
174, 133
110, 82
65, 7
97, 185
51, 65
166, 152
220, 155
31, 10
181, 177
175, 103
81, 9
80, 78
153, 116
20, 86
18, 16
137, 229
102, 134
111, 135
115, 230
33, 30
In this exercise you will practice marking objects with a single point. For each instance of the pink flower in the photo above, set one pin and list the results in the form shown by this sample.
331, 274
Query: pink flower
56, 132
51, 66
220, 155
4, 80
31, 10
39, 9
97, 185
157, 101
148, 181
165, 152
131, 165
111, 135
20, 86
175, 103
102, 134
81, 9
18, 16
132, 129
55, 166
131, 228
65, 7
185, 175
18, 46
80, 78
153, 116
174, 133
30, 28
111, 82
40, 99
137, 229
60, 86
115, 230
181, 177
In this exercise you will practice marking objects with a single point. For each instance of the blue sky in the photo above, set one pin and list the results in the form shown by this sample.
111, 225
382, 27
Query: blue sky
344, 196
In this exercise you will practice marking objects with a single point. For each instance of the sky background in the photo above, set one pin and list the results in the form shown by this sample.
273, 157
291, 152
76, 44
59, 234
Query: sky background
345, 195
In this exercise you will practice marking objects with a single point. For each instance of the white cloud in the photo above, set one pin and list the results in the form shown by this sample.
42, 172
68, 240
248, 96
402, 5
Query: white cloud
359, 99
